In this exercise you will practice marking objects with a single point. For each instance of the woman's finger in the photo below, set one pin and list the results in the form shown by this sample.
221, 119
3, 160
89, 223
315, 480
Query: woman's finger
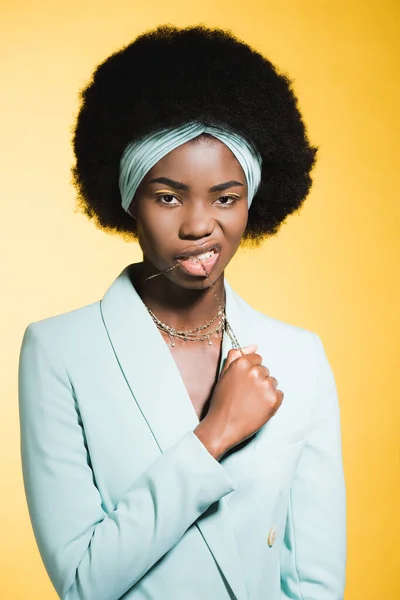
237, 353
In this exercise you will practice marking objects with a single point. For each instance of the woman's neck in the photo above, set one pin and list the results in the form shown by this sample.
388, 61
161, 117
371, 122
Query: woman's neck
180, 307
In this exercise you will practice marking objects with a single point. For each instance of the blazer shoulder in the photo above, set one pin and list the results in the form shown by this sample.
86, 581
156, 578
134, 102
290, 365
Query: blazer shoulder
290, 348
71, 324
276, 328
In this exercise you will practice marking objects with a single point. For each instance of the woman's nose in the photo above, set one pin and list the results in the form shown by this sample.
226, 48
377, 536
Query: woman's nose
197, 222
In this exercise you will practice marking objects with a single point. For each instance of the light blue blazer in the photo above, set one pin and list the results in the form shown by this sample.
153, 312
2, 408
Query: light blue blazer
124, 499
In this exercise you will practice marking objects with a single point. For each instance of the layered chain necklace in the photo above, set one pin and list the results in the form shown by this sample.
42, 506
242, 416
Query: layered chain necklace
195, 334
192, 335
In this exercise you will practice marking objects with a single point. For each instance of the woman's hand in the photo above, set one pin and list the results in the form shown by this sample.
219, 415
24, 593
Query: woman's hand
245, 398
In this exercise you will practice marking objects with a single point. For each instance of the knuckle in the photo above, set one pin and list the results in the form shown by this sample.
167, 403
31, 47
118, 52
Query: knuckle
275, 398
272, 394
254, 372
275, 406
244, 361
278, 398
236, 363
270, 384
240, 364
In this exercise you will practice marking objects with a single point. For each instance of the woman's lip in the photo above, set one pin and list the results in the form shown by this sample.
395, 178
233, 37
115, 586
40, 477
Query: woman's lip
197, 250
198, 268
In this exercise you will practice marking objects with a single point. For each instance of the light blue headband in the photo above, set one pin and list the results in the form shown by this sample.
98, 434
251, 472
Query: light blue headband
140, 156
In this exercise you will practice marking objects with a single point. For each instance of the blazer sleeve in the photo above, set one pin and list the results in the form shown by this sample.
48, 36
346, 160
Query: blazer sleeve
313, 557
89, 553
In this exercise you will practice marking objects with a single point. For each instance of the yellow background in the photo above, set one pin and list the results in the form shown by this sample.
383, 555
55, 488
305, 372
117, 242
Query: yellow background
333, 268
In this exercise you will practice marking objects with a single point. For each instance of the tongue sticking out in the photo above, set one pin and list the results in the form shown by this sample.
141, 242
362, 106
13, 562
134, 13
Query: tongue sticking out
196, 265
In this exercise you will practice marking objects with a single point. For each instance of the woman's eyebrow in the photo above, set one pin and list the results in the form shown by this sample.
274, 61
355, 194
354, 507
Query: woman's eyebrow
171, 182
178, 185
220, 187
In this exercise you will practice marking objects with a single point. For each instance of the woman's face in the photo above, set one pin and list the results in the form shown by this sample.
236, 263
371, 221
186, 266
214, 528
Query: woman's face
193, 202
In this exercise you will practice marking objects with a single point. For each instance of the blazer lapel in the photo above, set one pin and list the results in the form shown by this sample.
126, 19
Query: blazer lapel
159, 391
147, 364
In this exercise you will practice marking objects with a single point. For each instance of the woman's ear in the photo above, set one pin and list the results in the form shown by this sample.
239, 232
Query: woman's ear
131, 210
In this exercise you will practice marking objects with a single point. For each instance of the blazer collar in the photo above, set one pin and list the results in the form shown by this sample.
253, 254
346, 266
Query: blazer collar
150, 371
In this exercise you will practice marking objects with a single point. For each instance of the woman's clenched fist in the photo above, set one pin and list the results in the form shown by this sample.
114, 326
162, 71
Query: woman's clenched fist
244, 399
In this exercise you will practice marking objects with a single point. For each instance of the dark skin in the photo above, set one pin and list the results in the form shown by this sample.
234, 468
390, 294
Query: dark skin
200, 199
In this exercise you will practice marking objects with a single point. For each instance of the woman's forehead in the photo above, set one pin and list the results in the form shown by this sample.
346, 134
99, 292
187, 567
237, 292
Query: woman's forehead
203, 158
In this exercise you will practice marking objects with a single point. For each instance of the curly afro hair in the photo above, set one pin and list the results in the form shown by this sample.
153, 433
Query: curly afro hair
169, 76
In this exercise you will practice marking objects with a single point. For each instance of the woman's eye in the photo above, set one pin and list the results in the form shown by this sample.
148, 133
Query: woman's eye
168, 199
226, 200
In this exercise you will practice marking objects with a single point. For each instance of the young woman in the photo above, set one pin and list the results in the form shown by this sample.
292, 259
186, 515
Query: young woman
161, 460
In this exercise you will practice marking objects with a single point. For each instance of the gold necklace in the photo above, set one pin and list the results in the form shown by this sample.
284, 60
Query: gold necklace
190, 334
